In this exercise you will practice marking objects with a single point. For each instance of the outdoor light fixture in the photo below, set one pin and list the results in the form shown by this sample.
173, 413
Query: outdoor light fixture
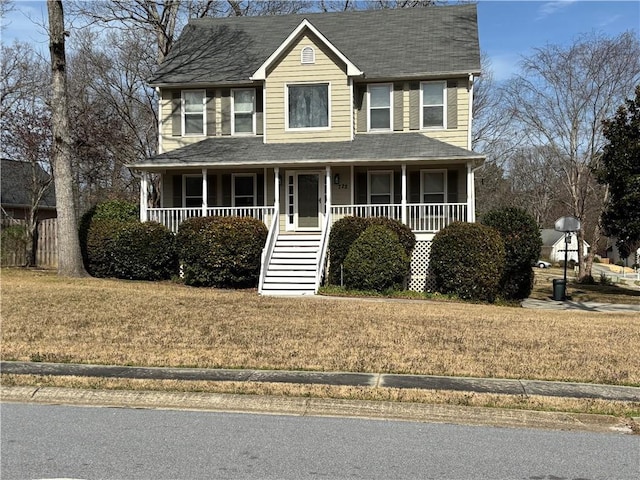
336, 178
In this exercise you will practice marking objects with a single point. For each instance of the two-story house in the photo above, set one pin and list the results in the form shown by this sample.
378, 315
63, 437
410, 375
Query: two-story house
300, 120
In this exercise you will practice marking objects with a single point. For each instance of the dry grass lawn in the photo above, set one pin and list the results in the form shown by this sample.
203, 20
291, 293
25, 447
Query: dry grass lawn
140, 323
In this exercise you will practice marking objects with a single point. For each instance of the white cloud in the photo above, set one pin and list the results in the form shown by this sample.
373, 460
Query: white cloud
549, 8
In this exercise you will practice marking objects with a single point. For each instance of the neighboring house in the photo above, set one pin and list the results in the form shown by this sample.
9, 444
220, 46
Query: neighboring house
613, 254
15, 193
554, 246
300, 120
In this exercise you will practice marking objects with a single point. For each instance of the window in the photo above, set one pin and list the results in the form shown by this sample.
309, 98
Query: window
307, 55
308, 106
243, 111
434, 186
193, 112
380, 107
380, 188
244, 188
432, 99
192, 190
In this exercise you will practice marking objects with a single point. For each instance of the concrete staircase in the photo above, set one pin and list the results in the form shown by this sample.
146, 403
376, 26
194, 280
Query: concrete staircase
292, 267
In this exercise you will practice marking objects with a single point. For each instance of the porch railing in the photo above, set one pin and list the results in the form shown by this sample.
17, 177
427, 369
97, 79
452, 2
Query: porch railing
173, 217
420, 217
267, 251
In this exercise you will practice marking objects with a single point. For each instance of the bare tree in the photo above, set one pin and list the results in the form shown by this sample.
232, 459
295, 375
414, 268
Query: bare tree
560, 100
69, 255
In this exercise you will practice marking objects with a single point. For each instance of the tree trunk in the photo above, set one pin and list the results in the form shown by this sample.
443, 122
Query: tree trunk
69, 256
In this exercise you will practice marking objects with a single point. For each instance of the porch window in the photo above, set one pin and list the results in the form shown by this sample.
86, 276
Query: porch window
380, 107
244, 190
191, 188
432, 101
381, 187
434, 186
243, 111
193, 112
308, 106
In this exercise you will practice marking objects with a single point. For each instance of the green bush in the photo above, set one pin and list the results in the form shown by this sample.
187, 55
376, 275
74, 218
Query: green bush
113, 210
522, 244
99, 251
221, 251
467, 260
144, 251
346, 231
376, 261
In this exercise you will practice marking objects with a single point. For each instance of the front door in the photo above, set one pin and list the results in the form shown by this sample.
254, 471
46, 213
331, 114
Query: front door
307, 201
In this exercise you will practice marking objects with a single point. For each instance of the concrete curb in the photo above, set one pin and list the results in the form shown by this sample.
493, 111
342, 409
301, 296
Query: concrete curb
428, 382
318, 407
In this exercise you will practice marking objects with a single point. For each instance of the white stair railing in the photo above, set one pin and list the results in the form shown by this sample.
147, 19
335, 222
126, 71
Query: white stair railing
269, 245
322, 251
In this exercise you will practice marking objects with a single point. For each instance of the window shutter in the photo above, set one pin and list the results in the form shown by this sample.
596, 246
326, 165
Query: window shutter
212, 187
260, 188
397, 187
176, 113
226, 190
177, 191
414, 106
361, 188
211, 112
452, 186
452, 104
361, 108
226, 111
414, 187
398, 105
259, 112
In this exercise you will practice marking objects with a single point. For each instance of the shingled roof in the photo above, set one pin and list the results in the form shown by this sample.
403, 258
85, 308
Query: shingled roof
16, 182
236, 151
383, 44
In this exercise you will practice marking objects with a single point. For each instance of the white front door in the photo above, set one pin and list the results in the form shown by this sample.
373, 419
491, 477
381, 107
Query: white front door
305, 201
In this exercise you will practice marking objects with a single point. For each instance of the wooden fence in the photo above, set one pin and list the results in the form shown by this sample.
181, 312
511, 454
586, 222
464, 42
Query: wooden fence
14, 247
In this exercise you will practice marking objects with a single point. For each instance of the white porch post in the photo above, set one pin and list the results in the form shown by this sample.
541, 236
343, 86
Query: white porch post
404, 194
473, 194
144, 189
276, 191
470, 202
327, 207
205, 193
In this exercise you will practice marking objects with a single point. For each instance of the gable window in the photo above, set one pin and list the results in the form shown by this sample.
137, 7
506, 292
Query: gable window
308, 106
243, 111
193, 112
307, 55
380, 107
380, 187
433, 186
432, 101
244, 190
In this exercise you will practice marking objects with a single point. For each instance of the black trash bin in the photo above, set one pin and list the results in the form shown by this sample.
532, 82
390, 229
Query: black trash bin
559, 289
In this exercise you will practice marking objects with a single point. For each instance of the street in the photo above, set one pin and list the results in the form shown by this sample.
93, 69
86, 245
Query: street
42, 441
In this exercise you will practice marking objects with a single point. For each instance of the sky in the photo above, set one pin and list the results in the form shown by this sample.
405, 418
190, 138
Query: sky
508, 29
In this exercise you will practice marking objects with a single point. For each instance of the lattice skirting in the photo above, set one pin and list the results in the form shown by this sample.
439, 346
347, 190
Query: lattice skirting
421, 280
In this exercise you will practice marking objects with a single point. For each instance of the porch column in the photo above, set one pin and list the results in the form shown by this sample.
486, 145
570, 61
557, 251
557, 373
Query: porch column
205, 193
472, 181
470, 209
327, 207
276, 191
144, 189
404, 194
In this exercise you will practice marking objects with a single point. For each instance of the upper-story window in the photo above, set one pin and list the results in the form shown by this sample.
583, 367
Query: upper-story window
308, 55
308, 106
432, 102
193, 112
243, 111
380, 110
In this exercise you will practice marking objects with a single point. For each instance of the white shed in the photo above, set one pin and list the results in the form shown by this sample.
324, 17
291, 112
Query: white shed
553, 246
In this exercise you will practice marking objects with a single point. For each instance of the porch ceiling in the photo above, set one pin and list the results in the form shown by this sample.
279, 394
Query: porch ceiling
251, 151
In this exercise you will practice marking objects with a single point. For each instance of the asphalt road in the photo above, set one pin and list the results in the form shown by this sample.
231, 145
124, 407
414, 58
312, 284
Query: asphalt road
44, 441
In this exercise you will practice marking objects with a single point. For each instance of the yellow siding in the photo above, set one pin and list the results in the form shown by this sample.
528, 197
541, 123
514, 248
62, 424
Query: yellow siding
327, 68
459, 136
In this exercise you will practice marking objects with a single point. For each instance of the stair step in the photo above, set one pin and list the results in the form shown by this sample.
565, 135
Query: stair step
271, 273
287, 293
301, 255
288, 286
298, 238
295, 249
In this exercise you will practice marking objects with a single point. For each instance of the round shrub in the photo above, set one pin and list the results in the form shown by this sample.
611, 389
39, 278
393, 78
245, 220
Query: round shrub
467, 260
144, 251
376, 261
345, 232
99, 251
522, 245
221, 251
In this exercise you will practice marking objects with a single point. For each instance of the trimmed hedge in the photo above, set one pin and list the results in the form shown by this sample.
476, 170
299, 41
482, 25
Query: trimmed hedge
347, 230
221, 251
376, 261
467, 260
522, 244
144, 251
